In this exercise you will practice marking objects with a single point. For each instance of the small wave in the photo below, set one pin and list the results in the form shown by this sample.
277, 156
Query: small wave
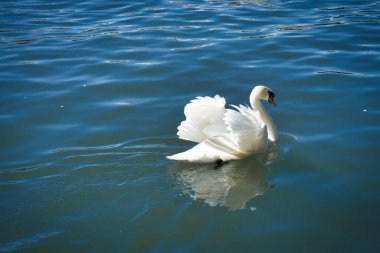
126, 102
28, 241
34, 167
338, 8
258, 36
69, 149
303, 26
339, 72
29, 41
193, 47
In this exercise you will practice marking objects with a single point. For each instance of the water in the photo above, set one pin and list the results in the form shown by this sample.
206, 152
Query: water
92, 93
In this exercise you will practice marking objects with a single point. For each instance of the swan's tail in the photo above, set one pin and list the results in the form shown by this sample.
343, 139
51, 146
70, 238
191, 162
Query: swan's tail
204, 152
178, 157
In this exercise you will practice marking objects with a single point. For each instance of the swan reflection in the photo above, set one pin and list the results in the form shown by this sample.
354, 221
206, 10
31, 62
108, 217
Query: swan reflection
232, 185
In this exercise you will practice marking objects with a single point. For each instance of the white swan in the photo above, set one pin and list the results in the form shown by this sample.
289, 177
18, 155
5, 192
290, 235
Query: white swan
226, 134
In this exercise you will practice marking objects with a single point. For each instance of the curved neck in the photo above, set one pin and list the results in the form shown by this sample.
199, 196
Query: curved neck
271, 127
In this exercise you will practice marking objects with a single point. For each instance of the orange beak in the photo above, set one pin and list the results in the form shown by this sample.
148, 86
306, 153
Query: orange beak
271, 100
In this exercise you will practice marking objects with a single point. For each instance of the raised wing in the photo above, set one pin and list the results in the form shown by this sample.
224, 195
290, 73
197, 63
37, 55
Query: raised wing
204, 118
244, 133
246, 129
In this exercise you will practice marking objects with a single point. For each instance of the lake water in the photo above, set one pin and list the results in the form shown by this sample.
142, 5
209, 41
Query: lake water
92, 93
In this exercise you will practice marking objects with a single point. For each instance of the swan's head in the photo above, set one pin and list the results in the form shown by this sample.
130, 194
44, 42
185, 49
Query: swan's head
264, 93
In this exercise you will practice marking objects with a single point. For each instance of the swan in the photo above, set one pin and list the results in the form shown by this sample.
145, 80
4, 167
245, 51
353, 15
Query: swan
226, 134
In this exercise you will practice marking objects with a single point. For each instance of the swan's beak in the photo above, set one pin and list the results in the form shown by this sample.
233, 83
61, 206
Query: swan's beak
271, 100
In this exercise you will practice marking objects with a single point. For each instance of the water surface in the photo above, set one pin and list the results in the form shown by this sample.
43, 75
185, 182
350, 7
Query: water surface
92, 92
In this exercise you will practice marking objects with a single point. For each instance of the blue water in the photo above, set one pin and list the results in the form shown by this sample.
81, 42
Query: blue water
92, 92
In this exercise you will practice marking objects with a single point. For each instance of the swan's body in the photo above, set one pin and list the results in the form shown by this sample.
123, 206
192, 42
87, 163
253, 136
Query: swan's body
226, 134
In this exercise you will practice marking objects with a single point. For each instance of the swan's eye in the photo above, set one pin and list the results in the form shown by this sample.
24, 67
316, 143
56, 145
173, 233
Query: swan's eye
271, 94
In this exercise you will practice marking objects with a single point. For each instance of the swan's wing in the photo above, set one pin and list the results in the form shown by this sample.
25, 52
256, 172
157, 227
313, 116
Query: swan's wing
247, 129
204, 118
242, 132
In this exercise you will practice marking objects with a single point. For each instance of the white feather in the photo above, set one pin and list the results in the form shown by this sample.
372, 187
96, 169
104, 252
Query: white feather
204, 116
247, 129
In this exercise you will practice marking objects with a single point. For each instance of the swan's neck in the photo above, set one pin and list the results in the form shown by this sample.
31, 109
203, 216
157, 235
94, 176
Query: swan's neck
271, 127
